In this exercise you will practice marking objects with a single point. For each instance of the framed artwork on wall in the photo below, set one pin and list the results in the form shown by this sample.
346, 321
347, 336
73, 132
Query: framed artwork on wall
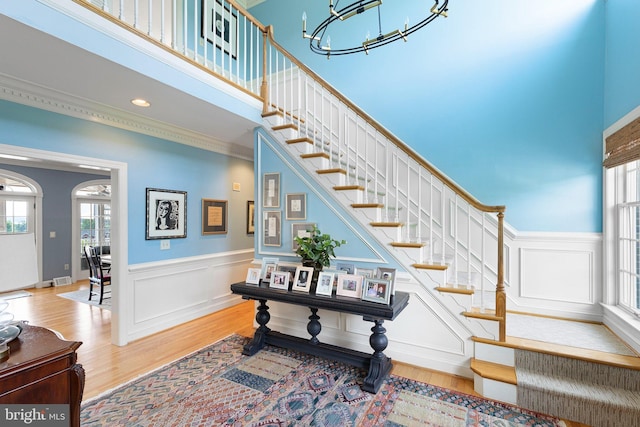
296, 206
272, 228
271, 190
214, 216
220, 27
251, 217
300, 229
166, 216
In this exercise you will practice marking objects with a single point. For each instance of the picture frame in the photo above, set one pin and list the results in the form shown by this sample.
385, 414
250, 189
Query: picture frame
377, 290
266, 262
387, 273
166, 214
296, 206
291, 269
347, 267
272, 230
349, 285
279, 280
253, 276
219, 25
365, 272
300, 229
324, 285
251, 217
214, 216
302, 280
271, 190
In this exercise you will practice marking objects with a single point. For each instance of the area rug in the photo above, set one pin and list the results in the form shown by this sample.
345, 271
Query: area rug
15, 295
218, 386
83, 297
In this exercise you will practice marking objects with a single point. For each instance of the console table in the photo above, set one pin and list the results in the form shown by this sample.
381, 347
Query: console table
377, 364
42, 370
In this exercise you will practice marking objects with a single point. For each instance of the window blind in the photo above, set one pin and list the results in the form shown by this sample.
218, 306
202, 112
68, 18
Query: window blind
623, 146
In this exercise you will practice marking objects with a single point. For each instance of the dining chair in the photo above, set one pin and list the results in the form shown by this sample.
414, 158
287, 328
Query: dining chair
97, 276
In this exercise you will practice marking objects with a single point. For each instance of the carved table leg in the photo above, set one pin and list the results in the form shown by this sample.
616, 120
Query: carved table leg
258, 341
314, 327
380, 365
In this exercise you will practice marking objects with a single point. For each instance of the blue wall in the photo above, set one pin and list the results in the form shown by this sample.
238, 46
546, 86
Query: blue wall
622, 89
152, 162
505, 97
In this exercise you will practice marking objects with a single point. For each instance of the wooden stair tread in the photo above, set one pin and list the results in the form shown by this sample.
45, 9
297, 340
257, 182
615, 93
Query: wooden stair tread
483, 316
386, 224
332, 170
367, 205
423, 266
452, 290
348, 187
494, 371
314, 155
272, 113
408, 244
595, 356
285, 126
299, 140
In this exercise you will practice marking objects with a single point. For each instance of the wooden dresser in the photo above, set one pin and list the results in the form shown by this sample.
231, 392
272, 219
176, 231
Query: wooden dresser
42, 368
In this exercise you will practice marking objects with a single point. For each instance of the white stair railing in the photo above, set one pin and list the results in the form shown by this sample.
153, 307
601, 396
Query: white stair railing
433, 210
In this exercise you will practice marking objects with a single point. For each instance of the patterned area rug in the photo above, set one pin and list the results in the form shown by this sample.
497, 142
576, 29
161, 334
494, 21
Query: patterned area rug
218, 386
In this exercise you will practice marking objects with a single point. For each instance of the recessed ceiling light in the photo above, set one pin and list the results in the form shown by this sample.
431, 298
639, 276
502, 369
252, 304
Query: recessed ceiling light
140, 102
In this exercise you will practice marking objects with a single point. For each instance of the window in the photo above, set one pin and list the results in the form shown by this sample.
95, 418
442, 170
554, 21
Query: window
94, 206
16, 206
627, 207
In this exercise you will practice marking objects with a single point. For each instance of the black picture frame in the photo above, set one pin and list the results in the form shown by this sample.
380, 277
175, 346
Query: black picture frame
219, 26
166, 214
251, 217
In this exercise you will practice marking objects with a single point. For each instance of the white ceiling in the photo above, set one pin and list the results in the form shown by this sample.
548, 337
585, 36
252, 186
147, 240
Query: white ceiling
43, 71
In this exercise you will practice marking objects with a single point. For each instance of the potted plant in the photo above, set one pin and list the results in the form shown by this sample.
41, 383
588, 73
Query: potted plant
317, 250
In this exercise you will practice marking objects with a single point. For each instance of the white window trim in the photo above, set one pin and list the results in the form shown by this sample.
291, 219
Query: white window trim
620, 321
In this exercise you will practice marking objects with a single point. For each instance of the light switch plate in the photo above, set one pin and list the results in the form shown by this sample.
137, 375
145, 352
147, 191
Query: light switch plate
165, 244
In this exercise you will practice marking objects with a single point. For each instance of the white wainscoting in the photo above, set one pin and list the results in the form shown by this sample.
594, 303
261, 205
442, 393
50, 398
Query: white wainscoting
557, 274
160, 295
549, 273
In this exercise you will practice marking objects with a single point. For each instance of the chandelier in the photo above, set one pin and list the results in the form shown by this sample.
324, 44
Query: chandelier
320, 41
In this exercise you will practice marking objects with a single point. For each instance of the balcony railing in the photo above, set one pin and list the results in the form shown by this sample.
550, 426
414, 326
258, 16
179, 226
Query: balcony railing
457, 231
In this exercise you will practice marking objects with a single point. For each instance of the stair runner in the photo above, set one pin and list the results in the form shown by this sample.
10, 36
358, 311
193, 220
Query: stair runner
592, 393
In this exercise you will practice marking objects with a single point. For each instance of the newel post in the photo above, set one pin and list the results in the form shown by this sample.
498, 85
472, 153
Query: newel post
501, 296
264, 89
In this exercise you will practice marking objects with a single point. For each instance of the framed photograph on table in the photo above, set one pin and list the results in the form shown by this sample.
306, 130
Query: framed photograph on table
325, 283
272, 229
376, 290
300, 229
349, 285
251, 217
296, 206
346, 267
253, 276
279, 280
214, 216
166, 214
302, 280
389, 274
268, 265
220, 26
271, 190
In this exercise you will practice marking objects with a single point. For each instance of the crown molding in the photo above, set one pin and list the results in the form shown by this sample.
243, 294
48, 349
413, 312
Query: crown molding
32, 95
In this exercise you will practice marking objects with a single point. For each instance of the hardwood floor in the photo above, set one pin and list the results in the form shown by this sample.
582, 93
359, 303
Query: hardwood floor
108, 365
